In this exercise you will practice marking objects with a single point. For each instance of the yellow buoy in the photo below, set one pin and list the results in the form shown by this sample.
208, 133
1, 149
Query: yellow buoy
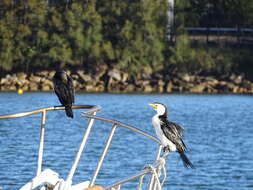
20, 91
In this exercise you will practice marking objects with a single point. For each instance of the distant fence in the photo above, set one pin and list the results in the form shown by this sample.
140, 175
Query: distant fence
232, 36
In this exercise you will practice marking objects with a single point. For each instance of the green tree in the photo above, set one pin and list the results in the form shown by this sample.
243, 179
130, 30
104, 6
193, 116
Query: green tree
134, 32
83, 27
183, 57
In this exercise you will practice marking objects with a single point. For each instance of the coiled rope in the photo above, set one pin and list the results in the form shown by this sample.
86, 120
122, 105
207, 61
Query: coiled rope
156, 172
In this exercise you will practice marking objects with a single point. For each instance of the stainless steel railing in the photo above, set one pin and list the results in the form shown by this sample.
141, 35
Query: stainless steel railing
92, 109
90, 115
140, 174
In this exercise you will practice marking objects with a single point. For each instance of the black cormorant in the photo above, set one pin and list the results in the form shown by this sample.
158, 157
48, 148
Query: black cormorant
64, 89
169, 133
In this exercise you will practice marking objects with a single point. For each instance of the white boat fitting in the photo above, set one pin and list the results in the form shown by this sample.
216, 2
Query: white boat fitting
50, 180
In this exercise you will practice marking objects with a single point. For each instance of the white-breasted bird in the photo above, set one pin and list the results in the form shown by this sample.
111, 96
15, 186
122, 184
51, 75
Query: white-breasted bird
169, 133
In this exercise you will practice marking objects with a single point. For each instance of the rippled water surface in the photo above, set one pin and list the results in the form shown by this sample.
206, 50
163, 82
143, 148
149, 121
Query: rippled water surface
218, 132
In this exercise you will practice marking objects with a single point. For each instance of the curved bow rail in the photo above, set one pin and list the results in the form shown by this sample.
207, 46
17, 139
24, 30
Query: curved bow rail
153, 169
89, 114
91, 109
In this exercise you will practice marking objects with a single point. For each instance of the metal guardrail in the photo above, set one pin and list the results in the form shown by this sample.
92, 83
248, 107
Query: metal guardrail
92, 109
115, 124
219, 29
90, 115
221, 35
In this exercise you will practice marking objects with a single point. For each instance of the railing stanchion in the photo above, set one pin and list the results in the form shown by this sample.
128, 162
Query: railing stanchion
41, 143
78, 154
102, 157
152, 178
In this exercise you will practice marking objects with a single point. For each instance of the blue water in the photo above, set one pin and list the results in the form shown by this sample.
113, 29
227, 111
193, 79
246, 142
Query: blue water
218, 132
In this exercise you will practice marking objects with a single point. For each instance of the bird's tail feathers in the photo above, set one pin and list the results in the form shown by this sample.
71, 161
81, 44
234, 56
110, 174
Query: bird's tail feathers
69, 111
187, 163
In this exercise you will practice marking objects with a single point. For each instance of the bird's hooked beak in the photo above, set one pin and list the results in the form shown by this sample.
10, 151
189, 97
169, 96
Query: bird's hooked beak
153, 106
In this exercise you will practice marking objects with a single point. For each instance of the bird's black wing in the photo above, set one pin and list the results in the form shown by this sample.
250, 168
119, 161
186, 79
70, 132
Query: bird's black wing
174, 133
59, 92
63, 92
71, 89
178, 128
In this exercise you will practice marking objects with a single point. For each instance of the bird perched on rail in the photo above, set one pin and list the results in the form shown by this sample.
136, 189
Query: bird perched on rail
169, 133
64, 89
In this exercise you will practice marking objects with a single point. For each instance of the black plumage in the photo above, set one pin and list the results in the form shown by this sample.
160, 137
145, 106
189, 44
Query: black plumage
64, 89
174, 133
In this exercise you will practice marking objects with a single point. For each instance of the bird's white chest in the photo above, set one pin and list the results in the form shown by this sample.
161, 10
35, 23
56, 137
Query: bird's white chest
158, 130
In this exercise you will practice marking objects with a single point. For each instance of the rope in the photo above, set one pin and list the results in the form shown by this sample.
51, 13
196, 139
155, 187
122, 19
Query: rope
154, 172
162, 166
162, 160
139, 187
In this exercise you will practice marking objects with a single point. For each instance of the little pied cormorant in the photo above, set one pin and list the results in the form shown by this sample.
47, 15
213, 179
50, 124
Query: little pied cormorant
64, 89
169, 133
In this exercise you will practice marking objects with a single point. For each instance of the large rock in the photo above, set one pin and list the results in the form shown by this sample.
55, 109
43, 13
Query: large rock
44, 73
84, 77
198, 88
34, 79
186, 77
169, 87
222, 87
74, 76
89, 88
51, 74
25, 87
5, 88
115, 74
101, 70
246, 84
13, 79
145, 74
130, 88
33, 86
251, 88
45, 88
237, 79
48, 83
160, 86
4, 81
124, 77
231, 87
100, 88
147, 88
12, 88
209, 89
21, 76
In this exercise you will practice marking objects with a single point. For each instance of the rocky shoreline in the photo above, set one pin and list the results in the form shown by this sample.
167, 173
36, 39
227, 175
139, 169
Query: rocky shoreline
116, 81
